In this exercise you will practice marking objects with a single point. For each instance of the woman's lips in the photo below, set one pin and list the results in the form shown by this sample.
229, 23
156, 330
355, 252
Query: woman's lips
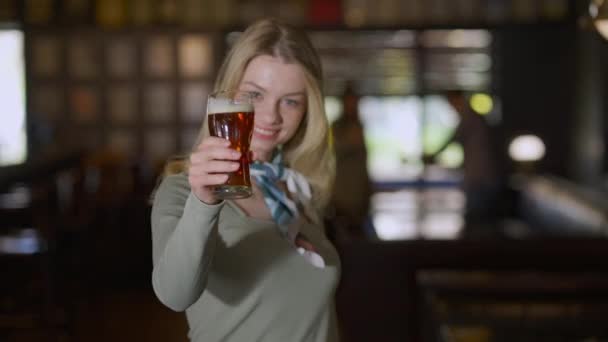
264, 133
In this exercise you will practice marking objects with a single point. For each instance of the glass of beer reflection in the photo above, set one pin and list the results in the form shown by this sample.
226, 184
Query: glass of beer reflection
230, 116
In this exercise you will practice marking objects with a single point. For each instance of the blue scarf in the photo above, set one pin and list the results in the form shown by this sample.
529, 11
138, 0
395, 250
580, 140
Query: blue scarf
287, 212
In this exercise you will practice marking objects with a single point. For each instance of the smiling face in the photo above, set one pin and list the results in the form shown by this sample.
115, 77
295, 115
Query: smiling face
279, 89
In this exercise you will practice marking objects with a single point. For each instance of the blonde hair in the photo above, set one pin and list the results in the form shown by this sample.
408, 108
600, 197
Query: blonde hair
308, 151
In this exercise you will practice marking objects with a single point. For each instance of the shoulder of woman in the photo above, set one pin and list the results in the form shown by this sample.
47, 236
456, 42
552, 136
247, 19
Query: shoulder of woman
177, 179
174, 186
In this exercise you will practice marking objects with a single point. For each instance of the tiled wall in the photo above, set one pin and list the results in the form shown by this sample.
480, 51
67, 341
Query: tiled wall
142, 93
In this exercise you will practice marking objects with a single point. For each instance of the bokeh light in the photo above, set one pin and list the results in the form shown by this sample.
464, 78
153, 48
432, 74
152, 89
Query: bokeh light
482, 103
526, 148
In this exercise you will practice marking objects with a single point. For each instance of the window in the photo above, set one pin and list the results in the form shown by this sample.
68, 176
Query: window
13, 136
400, 74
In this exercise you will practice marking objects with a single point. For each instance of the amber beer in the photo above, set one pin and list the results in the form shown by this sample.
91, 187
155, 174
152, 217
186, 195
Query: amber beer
230, 116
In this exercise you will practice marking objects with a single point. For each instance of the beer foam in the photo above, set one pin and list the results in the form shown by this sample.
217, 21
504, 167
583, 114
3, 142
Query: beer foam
227, 106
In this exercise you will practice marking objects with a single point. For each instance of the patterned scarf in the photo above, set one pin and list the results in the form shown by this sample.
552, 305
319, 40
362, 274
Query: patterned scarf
288, 213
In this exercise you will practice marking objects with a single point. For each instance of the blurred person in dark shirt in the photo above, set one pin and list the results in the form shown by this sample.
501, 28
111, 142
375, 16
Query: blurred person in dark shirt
480, 181
352, 189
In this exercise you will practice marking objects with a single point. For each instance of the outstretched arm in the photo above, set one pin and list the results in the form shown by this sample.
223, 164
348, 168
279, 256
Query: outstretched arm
184, 233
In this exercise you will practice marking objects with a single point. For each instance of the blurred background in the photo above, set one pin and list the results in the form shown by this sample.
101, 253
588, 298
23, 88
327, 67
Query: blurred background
485, 226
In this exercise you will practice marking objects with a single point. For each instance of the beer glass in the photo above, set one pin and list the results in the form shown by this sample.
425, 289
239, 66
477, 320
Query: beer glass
230, 116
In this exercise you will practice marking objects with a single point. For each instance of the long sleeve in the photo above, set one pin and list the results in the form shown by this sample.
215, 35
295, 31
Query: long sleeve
184, 233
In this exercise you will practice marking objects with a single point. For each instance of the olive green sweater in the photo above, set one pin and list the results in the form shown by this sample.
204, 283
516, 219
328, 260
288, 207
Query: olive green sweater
235, 277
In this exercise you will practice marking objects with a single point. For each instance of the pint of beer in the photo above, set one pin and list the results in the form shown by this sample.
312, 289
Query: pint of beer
230, 116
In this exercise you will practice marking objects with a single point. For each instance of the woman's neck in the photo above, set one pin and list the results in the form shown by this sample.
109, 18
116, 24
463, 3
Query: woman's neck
262, 156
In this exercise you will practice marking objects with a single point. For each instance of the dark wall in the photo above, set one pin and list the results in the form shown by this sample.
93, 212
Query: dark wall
536, 85
589, 138
604, 107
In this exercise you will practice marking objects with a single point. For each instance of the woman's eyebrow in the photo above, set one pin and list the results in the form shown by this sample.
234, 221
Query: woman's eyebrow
254, 85
296, 93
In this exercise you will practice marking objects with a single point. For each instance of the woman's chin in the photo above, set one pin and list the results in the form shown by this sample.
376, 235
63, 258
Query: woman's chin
261, 154
263, 146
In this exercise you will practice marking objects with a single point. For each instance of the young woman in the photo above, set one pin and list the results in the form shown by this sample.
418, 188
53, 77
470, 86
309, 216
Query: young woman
259, 268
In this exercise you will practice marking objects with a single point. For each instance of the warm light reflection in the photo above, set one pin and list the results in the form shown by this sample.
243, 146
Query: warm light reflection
13, 142
526, 148
481, 103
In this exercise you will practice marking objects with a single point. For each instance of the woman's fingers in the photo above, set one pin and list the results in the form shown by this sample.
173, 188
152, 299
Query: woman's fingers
214, 141
205, 180
213, 166
210, 164
214, 148
214, 153
212, 156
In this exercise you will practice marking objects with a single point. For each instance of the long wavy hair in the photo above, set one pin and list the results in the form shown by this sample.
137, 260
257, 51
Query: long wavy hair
308, 151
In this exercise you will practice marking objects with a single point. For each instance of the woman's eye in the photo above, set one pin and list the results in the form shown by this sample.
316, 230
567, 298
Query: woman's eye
256, 95
292, 103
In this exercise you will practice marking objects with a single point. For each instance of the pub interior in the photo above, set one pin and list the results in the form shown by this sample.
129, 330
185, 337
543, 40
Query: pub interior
98, 95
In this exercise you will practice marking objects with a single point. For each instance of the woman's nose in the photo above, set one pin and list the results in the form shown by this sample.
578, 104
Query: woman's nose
267, 112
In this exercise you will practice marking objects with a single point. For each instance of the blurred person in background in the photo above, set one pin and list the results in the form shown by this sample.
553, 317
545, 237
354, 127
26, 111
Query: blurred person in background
258, 268
480, 181
352, 191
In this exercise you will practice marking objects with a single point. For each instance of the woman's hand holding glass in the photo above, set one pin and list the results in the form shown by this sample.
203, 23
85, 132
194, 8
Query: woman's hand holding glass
210, 165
